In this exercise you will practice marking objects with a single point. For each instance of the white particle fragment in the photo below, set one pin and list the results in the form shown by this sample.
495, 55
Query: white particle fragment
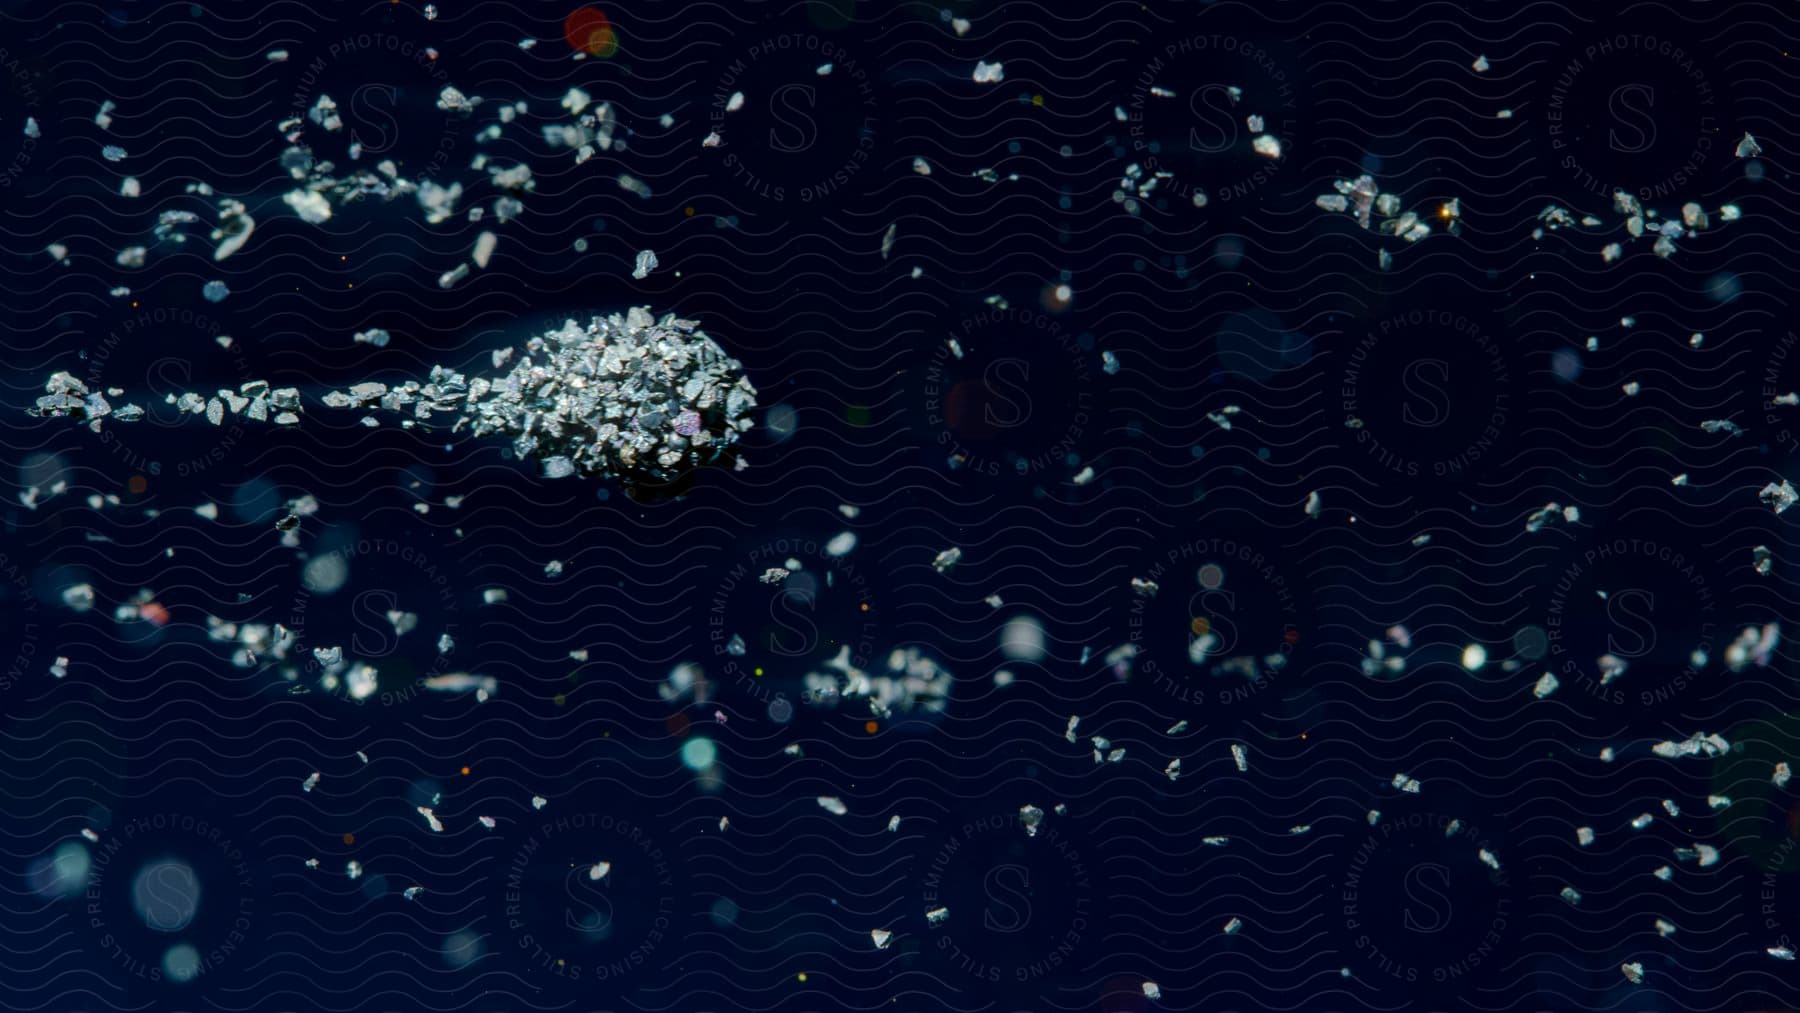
1215, 841
937, 916
824, 70
130, 187
311, 782
1489, 859
452, 276
1266, 146
1232, 926
1030, 819
1313, 505
1634, 973
1240, 756
431, 819
312, 863
412, 891
493, 595
1780, 952
312, 207
1480, 64
959, 25
1782, 775
1631, 389
487, 821
31, 127
894, 823
1151, 990
989, 73
646, 262
881, 938
1584, 836
1300, 830
946, 559
1716, 802
484, 249
1748, 148
353, 869
1779, 496
1571, 895
1173, 770
276, 56
1546, 685
832, 804
1681, 479
735, 102
1663, 873
1641, 821
598, 871
92, 838
538, 801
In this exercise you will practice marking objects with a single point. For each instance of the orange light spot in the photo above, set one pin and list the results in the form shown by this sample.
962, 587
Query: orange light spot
349, 838
465, 772
154, 613
137, 485
865, 606
1201, 626
584, 28
871, 727
689, 211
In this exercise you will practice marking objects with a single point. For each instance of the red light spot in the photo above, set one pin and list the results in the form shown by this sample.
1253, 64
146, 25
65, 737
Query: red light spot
137, 485
588, 30
154, 613
1291, 636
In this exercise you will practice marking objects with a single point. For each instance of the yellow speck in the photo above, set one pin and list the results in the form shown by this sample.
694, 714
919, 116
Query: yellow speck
1037, 100
689, 211
559, 699
802, 977
759, 671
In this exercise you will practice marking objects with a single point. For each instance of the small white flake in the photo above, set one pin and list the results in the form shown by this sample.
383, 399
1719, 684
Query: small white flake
311, 782
646, 262
989, 73
881, 938
431, 819
833, 805
538, 801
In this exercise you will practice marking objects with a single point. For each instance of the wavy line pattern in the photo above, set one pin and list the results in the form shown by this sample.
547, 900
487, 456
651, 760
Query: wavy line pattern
1269, 527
